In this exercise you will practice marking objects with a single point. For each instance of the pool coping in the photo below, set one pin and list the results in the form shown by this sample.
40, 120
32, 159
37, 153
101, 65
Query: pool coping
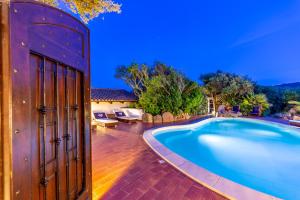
216, 183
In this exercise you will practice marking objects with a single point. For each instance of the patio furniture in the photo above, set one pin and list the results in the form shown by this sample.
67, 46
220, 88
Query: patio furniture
235, 112
121, 116
295, 122
235, 109
100, 118
256, 111
221, 111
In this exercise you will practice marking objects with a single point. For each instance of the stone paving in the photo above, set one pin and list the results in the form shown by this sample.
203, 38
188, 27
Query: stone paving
124, 167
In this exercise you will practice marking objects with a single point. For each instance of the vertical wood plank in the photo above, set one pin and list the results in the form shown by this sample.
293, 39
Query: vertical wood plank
57, 134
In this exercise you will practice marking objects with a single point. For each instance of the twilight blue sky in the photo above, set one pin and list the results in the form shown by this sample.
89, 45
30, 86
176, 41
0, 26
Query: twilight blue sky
258, 38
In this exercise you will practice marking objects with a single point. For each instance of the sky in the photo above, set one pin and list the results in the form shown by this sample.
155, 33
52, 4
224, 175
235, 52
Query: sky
257, 38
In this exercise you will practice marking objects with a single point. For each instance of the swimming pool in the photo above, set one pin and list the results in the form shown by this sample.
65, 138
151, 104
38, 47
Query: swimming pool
262, 156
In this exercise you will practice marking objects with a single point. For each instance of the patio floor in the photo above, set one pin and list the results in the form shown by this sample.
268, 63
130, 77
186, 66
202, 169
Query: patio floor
124, 167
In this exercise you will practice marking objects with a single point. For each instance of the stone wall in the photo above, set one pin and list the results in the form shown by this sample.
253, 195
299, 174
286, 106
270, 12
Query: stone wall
157, 119
147, 118
166, 117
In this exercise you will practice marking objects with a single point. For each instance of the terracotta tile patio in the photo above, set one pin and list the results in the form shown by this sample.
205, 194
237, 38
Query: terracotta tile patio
124, 167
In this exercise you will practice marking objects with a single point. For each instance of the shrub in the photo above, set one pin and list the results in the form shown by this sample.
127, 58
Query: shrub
279, 97
251, 101
193, 99
246, 106
163, 89
159, 98
150, 100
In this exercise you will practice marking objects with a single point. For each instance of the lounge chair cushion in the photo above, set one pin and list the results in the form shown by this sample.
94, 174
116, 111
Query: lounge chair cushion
100, 115
120, 114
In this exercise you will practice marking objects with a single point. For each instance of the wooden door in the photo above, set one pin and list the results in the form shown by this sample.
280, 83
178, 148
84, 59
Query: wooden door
48, 73
57, 129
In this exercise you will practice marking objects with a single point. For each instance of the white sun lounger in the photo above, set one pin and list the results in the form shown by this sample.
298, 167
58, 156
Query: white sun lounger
100, 118
121, 116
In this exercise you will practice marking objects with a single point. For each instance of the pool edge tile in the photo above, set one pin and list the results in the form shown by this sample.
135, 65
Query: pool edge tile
238, 191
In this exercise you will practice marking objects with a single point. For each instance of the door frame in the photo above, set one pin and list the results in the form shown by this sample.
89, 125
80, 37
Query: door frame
6, 105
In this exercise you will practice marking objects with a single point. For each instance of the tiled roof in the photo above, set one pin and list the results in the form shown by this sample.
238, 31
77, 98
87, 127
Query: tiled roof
106, 94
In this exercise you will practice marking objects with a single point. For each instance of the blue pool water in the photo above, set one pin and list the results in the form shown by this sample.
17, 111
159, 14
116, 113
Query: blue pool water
260, 155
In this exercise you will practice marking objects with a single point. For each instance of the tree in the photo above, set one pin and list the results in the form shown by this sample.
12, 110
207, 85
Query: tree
291, 96
229, 87
161, 95
87, 9
135, 76
151, 100
161, 88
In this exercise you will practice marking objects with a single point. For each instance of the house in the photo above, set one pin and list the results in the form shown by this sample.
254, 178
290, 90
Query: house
107, 100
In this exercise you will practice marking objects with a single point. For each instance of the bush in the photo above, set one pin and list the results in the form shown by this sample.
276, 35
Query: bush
170, 91
246, 106
278, 97
158, 98
150, 100
255, 100
193, 99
